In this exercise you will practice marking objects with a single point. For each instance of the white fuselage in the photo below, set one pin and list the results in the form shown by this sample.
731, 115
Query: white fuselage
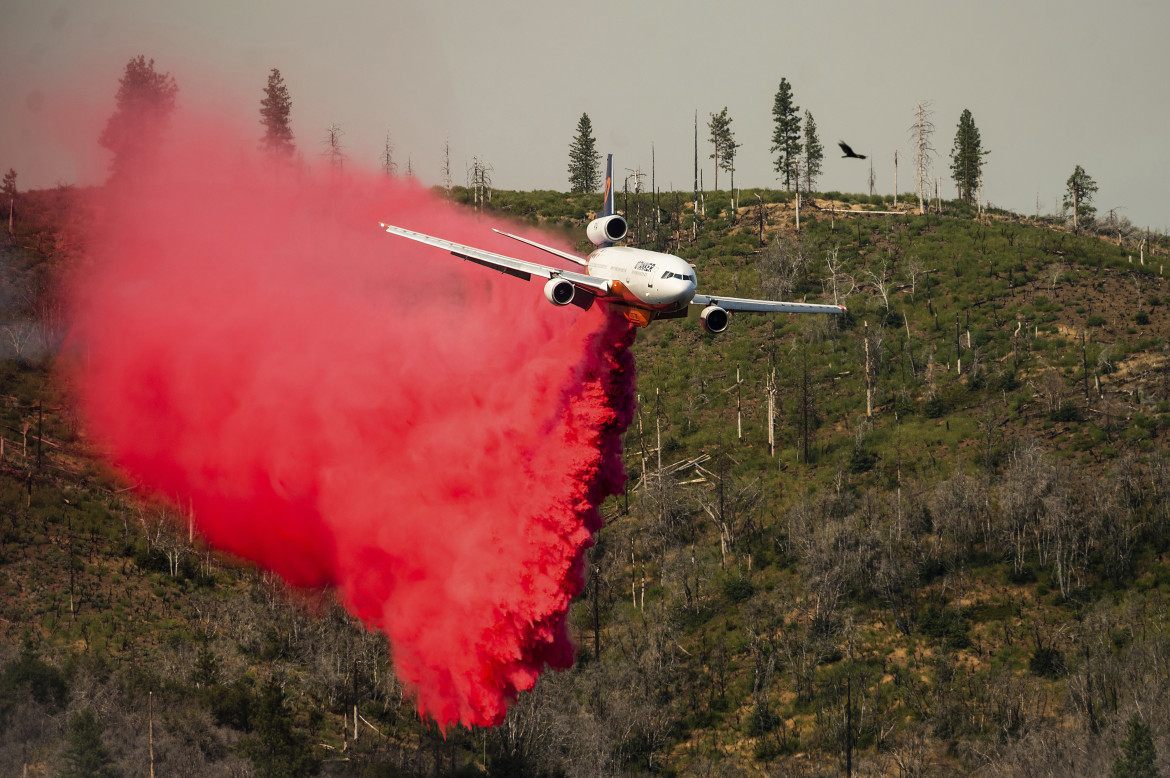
646, 279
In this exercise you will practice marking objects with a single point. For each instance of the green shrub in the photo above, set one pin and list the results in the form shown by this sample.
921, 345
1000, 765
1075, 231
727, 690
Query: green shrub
736, 588
1047, 663
45, 683
762, 720
862, 460
935, 408
893, 319
1067, 413
946, 624
1006, 381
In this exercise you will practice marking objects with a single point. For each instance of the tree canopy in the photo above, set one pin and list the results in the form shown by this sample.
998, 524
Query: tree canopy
85, 755
144, 104
275, 747
584, 160
967, 158
1079, 190
786, 135
814, 152
275, 110
1138, 756
723, 139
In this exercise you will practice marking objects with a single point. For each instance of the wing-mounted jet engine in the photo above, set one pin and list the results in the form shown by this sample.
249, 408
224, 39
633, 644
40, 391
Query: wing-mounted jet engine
559, 291
714, 319
607, 230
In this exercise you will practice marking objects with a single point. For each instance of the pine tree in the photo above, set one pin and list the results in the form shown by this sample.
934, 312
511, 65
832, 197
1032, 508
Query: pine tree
584, 160
723, 139
967, 158
274, 116
1138, 755
206, 673
1078, 195
786, 136
275, 748
85, 755
144, 104
814, 152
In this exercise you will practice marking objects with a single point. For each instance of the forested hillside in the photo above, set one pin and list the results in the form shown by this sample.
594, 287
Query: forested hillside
925, 538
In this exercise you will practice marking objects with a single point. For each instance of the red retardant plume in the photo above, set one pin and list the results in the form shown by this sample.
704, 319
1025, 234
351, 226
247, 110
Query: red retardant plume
353, 410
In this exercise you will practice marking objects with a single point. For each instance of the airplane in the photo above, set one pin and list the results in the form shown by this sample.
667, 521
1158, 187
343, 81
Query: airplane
642, 285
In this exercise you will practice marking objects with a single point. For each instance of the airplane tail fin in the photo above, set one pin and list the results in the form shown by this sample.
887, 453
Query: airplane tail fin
607, 202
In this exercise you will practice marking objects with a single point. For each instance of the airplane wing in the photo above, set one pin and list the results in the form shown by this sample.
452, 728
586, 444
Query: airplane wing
509, 265
542, 247
764, 306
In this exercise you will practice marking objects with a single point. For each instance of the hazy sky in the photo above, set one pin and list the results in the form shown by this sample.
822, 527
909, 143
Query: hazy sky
1050, 84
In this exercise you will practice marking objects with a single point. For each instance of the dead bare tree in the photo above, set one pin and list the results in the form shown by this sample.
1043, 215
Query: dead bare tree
479, 179
838, 279
914, 269
881, 282
446, 170
20, 335
1024, 497
920, 132
389, 166
781, 266
333, 148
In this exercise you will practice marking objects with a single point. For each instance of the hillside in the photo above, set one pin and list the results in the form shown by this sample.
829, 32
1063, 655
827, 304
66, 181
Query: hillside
969, 578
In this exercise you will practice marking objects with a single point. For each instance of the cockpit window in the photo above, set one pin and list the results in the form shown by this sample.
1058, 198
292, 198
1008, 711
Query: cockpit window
667, 274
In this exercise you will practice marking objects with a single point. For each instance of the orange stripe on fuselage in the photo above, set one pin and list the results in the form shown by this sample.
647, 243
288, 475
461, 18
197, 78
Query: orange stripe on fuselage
636, 310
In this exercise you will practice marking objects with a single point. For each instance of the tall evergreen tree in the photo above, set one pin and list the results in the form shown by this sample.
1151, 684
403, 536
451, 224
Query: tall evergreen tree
275, 109
967, 158
1078, 195
275, 748
1138, 756
723, 139
786, 135
85, 754
814, 152
143, 107
584, 160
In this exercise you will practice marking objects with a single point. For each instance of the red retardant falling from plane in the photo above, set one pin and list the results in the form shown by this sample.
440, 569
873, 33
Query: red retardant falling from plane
350, 410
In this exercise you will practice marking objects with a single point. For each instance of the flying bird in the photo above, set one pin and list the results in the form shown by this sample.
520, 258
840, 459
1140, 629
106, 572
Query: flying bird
848, 151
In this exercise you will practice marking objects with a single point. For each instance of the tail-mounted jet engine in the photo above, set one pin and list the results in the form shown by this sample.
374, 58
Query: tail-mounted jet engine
558, 291
714, 319
607, 229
